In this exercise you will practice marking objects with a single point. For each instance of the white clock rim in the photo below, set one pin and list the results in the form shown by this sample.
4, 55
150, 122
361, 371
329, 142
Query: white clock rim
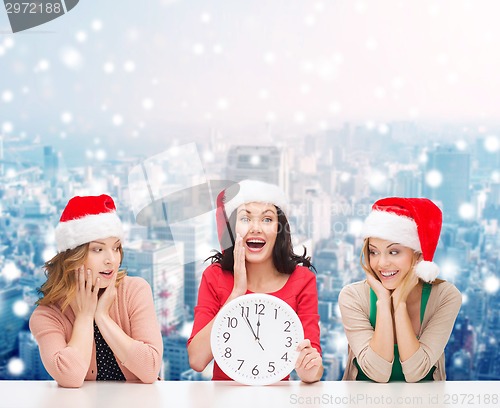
245, 298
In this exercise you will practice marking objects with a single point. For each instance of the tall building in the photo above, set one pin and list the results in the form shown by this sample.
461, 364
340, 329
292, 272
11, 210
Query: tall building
405, 184
11, 323
196, 238
314, 216
446, 180
161, 264
175, 352
255, 162
30, 355
50, 165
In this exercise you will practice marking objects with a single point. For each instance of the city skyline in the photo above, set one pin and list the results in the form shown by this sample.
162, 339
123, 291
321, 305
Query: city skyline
351, 101
331, 180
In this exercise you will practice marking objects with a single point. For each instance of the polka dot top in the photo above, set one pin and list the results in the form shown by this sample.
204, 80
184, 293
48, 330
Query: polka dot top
107, 367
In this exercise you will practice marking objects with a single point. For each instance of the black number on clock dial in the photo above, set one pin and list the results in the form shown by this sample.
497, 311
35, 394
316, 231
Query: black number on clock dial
232, 322
287, 328
259, 308
226, 336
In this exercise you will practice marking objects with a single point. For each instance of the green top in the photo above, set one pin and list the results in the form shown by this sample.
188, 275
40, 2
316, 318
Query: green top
397, 369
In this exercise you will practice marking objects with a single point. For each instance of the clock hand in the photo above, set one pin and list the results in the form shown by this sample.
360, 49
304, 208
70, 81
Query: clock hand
253, 332
258, 326
250, 325
258, 330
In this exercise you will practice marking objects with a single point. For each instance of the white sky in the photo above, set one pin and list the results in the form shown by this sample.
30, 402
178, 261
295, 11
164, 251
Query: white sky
155, 64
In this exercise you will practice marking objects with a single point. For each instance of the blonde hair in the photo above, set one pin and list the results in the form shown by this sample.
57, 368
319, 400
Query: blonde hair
60, 286
364, 260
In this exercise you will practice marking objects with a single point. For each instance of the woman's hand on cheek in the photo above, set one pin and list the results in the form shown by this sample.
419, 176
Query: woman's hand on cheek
379, 289
85, 301
240, 271
107, 298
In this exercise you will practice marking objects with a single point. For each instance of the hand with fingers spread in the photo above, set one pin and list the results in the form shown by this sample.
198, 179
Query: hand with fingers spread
240, 271
85, 301
400, 294
309, 365
379, 289
107, 298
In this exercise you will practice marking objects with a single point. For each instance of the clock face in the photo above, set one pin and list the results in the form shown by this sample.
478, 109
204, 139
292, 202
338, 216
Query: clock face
254, 339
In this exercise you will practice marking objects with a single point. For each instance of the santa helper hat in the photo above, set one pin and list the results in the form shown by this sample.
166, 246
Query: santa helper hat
246, 191
412, 222
86, 219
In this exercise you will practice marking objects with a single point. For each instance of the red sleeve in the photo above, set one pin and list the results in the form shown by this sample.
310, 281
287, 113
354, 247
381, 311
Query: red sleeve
307, 308
209, 302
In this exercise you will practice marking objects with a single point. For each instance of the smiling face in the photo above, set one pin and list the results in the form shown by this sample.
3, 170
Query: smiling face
390, 261
257, 223
103, 259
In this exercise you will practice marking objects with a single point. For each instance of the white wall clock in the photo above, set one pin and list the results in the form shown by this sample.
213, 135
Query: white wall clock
254, 339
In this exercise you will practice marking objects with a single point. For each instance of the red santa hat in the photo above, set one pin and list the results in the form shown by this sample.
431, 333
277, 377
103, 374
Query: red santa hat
246, 191
412, 222
86, 219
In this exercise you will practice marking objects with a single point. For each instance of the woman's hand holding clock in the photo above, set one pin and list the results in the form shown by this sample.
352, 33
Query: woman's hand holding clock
309, 365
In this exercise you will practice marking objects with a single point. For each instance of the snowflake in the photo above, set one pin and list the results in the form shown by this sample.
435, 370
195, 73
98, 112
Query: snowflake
15, 366
198, 49
20, 308
71, 57
100, 155
222, 104
129, 66
434, 178
66, 117
7, 96
10, 271
491, 284
377, 180
467, 211
81, 36
492, 144
449, 269
263, 94
96, 25
206, 18
217, 49
269, 58
117, 120
355, 227
147, 103
108, 67
7, 127
42, 65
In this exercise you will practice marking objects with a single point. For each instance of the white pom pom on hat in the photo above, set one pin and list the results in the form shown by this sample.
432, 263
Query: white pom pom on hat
85, 219
412, 222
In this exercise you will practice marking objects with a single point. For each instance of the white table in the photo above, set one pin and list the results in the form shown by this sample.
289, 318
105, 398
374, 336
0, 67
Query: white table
205, 394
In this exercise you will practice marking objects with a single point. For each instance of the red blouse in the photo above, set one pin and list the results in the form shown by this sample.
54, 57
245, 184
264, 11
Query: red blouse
300, 292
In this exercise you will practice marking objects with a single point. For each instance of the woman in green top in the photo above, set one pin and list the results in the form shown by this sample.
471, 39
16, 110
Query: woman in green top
397, 322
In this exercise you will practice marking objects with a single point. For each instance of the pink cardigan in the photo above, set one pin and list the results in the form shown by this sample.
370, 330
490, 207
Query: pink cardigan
133, 310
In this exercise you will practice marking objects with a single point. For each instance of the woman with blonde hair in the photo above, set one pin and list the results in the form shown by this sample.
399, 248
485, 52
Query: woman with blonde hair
93, 322
399, 319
